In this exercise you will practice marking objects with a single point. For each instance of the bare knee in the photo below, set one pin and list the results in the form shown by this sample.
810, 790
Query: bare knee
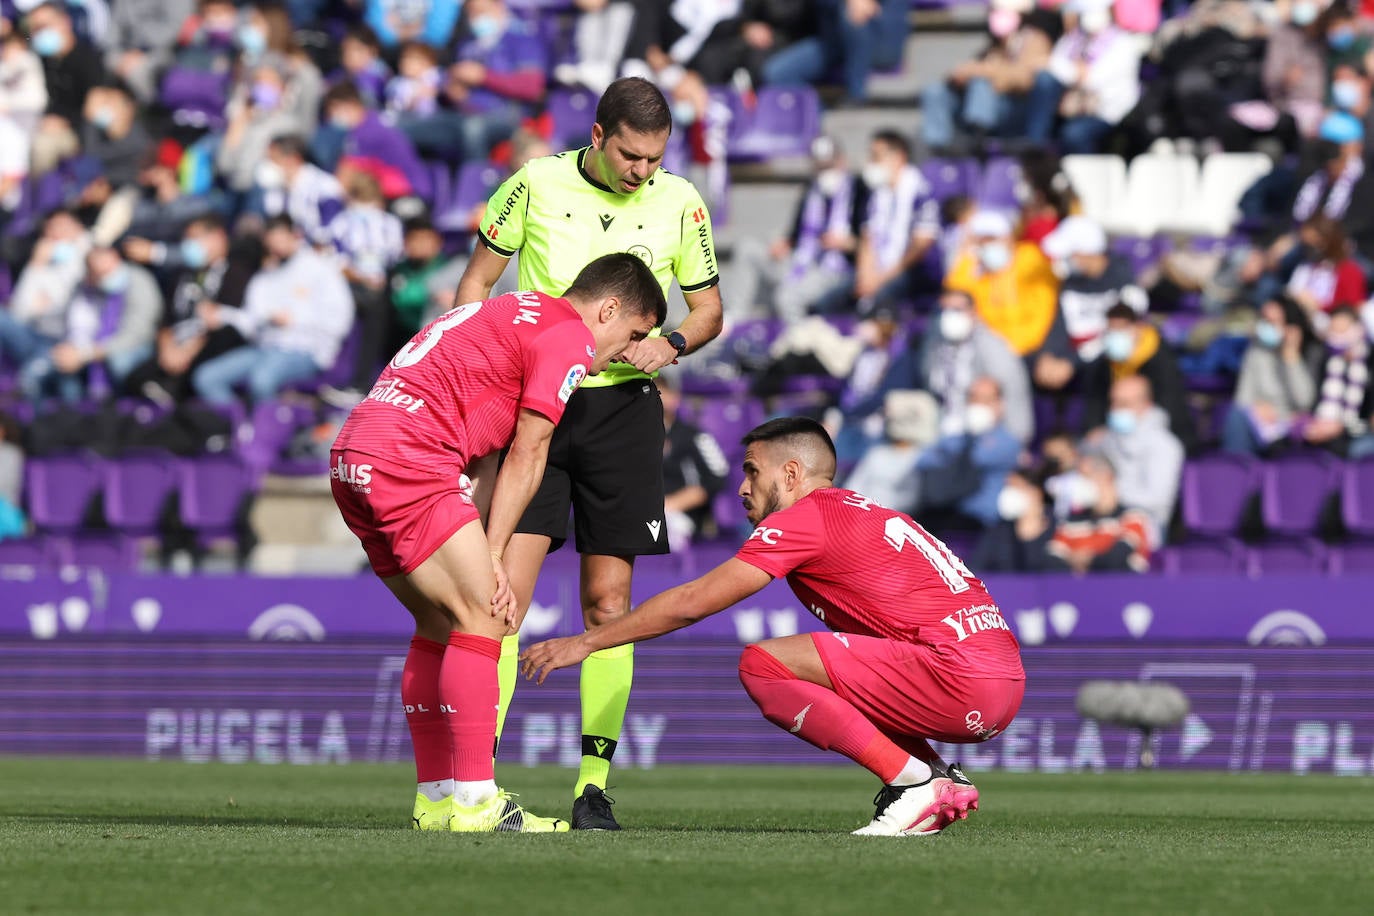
602, 608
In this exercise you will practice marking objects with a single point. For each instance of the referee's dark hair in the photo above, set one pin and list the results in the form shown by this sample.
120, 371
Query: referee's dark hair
636, 104
626, 277
796, 429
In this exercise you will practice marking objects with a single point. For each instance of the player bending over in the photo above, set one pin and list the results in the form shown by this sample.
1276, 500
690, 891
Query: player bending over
482, 377
918, 650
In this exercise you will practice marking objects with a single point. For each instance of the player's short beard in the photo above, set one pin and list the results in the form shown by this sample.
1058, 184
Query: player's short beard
771, 503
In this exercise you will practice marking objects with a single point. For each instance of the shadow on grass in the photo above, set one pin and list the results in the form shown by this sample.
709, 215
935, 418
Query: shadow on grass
190, 820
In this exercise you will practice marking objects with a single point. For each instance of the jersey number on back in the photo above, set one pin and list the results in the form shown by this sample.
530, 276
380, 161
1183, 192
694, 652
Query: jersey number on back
956, 575
416, 350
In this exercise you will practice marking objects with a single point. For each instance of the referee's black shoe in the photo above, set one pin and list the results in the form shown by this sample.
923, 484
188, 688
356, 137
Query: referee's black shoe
592, 811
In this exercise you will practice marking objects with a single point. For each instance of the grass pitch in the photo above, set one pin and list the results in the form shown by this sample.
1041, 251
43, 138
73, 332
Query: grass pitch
133, 837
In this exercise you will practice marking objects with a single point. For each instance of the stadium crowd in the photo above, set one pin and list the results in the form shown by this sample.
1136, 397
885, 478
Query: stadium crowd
207, 206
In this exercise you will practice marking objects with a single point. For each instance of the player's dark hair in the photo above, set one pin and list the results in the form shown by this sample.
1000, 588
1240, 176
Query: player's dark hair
893, 140
292, 145
788, 428
636, 104
626, 277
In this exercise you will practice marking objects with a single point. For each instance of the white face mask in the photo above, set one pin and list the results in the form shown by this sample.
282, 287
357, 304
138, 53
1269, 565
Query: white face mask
830, 181
877, 175
979, 418
994, 256
1094, 21
1080, 491
269, 176
956, 326
1012, 503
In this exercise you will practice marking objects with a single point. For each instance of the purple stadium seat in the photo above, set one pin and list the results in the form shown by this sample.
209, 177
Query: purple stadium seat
136, 489
271, 428
1215, 492
573, 112
1142, 253
1357, 497
1305, 556
59, 489
696, 384
114, 552
783, 122
1223, 556
36, 552
728, 421
211, 490
1052, 417
1355, 558
195, 97
950, 177
475, 184
997, 185
440, 183
729, 513
1294, 490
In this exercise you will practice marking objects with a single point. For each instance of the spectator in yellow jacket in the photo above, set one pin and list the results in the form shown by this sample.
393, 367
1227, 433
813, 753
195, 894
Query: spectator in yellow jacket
1012, 284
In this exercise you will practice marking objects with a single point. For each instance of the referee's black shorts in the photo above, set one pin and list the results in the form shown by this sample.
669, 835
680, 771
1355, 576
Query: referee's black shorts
606, 462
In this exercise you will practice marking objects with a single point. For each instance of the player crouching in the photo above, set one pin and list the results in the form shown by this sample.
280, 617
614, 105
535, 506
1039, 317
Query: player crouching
918, 650
485, 376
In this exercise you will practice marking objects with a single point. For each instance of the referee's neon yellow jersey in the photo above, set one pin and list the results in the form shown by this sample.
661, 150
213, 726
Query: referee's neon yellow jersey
560, 218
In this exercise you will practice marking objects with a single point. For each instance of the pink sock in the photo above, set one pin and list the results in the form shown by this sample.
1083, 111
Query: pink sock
429, 734
817, 715
469, 692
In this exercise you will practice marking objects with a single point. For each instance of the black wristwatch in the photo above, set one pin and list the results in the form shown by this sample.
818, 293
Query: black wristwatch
678, 341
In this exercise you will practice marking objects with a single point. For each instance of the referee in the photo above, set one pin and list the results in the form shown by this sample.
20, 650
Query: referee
606, 458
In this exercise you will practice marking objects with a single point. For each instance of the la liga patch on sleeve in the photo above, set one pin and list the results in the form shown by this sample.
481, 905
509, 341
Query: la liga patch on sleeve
574, 378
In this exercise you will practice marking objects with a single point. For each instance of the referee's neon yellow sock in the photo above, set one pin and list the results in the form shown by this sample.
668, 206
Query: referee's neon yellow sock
606, 678
507, 669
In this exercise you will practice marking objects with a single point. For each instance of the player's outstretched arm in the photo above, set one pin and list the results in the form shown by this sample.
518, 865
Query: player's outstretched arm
727, 584
484, 269
516, 484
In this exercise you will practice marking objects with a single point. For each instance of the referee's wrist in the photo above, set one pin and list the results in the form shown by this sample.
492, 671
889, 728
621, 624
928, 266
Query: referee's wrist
678, 342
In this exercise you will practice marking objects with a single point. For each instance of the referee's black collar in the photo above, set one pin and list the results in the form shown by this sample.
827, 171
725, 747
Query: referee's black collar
582, 169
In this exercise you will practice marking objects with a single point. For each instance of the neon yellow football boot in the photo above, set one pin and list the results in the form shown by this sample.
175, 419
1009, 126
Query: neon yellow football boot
431, 815
501, 813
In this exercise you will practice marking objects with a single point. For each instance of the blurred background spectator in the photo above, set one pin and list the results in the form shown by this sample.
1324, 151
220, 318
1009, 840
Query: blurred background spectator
694, 470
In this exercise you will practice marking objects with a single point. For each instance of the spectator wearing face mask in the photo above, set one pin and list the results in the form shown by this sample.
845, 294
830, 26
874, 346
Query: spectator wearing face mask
959, 348
364, 141
1278, 380
1011, 283
963, 472
694, 469
35, 317
876, 370
209, 273
814, 264
23, 96
1146, 458
1101, 534
290, 184
395, 21
140, 41
886, 473
1294, 82
259, 110
113, 135
1092, 281
1325, 275
1336, 185
110, 325
1092, 81
1132, 347
985, 97
1343, 385
901, 227
1019, 541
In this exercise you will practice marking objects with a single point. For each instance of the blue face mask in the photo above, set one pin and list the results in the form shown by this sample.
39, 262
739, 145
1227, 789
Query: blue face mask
46, 42
63, 253
1121, 422
1118, 345
1346, 94
684, 113
194, 254
1304, 13
252, 40
103, 117
1268, 334
994, 256
339, 122
1340, 39
117, 282
484, 28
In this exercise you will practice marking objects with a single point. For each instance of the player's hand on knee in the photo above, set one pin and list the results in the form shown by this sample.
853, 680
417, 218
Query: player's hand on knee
503, 603
542, 658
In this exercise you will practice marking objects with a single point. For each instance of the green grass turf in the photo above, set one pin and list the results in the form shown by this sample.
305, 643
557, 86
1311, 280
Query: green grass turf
84, 836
